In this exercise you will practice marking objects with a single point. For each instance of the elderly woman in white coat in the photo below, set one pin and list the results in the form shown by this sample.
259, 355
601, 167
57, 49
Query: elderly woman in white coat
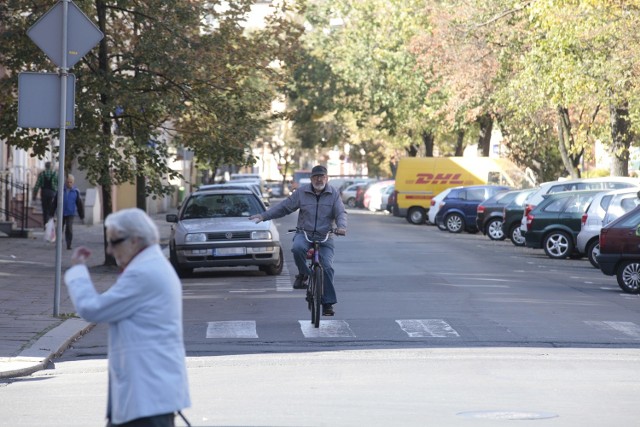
147, 370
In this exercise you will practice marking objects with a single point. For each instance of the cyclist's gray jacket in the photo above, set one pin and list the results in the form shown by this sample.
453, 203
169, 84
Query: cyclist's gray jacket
317, 213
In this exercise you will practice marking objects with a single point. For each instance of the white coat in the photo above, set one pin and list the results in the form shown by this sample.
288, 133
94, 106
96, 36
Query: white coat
147, 370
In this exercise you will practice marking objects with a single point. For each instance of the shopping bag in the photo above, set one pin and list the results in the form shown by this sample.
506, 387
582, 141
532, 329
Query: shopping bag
50, 231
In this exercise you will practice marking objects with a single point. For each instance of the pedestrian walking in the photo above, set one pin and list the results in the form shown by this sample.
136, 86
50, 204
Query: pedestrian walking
71, 206
47, 184
147, 369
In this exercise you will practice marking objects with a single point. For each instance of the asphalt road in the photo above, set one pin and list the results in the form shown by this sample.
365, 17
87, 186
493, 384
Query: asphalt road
431, 329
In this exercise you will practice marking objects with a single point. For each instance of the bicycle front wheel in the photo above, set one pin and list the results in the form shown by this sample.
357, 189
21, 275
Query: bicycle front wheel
318, 280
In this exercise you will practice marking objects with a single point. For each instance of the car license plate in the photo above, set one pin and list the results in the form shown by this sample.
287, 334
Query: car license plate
229, 251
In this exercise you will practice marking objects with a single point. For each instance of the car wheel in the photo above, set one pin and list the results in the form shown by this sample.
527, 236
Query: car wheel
276, 269
628, 276
494, 229
417, 216
558, 245
181, 271
515, 235
454, 223
593, 250
351, 202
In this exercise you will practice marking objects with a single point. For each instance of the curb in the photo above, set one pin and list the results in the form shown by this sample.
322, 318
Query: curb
46, 348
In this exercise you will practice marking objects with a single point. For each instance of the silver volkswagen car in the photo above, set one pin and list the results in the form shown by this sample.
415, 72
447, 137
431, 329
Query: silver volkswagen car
212, 229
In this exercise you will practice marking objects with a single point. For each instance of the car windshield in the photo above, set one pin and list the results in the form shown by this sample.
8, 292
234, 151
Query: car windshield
221, 205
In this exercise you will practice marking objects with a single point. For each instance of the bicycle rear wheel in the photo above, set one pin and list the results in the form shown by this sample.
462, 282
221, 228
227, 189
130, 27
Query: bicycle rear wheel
318, 280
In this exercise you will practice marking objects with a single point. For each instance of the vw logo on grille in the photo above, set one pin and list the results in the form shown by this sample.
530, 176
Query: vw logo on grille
228, 235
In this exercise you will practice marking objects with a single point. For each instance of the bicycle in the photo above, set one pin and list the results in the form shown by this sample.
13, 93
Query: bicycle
315, 283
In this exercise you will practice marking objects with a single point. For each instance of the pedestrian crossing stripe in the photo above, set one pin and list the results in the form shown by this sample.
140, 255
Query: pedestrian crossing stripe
414, 328
327, 329
232, 329
433, 328
628, 329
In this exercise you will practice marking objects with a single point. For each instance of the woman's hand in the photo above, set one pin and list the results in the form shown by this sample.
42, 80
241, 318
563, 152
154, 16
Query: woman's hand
80, 255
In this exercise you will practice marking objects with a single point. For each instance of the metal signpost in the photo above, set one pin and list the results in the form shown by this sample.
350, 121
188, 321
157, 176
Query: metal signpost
65, 34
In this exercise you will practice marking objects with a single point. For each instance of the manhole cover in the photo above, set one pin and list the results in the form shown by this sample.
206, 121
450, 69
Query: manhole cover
507, 415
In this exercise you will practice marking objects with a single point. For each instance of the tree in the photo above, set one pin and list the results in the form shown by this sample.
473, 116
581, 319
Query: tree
167, 72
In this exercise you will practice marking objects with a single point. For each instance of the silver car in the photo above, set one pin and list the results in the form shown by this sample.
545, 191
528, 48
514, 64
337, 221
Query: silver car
604, 208
212, 229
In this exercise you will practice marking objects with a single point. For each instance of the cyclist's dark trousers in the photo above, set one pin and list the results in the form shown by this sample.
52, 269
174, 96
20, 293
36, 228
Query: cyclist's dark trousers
300, 248
67, 224
47, 197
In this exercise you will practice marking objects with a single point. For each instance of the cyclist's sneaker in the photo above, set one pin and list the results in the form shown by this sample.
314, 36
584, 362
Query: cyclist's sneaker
300, 282
327, 310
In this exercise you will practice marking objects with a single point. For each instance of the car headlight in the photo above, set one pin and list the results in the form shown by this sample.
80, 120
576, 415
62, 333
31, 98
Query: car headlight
261, 235
195, 238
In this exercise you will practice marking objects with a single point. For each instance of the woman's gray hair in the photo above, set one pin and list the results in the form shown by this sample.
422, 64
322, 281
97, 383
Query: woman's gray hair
134, 222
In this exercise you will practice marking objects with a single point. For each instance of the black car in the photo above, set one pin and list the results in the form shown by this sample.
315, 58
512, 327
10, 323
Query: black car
512, 217
555, 222
489, 214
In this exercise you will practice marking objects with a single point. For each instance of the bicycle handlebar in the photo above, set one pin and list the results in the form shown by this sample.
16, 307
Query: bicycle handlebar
306, 236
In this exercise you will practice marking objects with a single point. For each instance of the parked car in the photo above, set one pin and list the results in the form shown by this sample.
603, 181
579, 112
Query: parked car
618, 202
489, 214
385, 196
620, 250
606, 183
511, 216
554, 223
212, 229
435, 206
373, 195
458, 209
360, 192
277, 189
349, 195
391, 201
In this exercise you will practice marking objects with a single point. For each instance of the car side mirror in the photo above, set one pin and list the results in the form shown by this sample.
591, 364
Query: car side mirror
638, 231
172, 218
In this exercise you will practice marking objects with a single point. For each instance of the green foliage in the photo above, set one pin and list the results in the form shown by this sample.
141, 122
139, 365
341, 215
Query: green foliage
168, 73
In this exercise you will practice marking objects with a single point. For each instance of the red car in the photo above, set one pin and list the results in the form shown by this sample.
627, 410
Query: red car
620, 250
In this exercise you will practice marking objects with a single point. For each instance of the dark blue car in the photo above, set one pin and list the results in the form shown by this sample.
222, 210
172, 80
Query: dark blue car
458, 209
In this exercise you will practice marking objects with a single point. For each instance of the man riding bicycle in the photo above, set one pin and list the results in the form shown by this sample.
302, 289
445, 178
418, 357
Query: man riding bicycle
321, 210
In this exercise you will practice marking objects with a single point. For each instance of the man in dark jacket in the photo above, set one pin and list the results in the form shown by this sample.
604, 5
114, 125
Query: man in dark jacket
321, 210
72, 204
47, 183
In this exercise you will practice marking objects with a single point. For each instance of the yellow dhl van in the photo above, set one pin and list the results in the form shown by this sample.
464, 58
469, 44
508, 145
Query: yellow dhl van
419, 179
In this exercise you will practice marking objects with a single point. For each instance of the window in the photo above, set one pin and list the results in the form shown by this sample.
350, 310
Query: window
555, 205
476, 194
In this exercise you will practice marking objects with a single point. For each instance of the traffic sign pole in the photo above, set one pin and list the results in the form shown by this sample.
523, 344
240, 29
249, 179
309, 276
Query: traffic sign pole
75, 38
64, 73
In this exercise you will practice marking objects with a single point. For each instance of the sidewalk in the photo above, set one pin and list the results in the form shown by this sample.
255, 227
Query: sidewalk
29, 334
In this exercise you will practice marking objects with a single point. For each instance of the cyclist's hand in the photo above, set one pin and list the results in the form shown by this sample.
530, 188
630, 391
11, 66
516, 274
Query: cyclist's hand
256, 218
340, 232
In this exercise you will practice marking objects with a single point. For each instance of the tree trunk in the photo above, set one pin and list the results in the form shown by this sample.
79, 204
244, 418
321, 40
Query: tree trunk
412, 150
565, 141
621, 139
428, 141
460, 144
484, 138
105, 179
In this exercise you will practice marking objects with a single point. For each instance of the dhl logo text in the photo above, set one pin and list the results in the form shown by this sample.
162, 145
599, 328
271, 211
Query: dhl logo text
441, 178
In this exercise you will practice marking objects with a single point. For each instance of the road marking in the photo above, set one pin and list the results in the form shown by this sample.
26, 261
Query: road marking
629, 329
283, 281
232, 329
420, 328
327, 329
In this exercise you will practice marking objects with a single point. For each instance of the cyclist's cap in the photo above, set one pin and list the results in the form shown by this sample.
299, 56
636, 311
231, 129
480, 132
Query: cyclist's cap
318, 170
